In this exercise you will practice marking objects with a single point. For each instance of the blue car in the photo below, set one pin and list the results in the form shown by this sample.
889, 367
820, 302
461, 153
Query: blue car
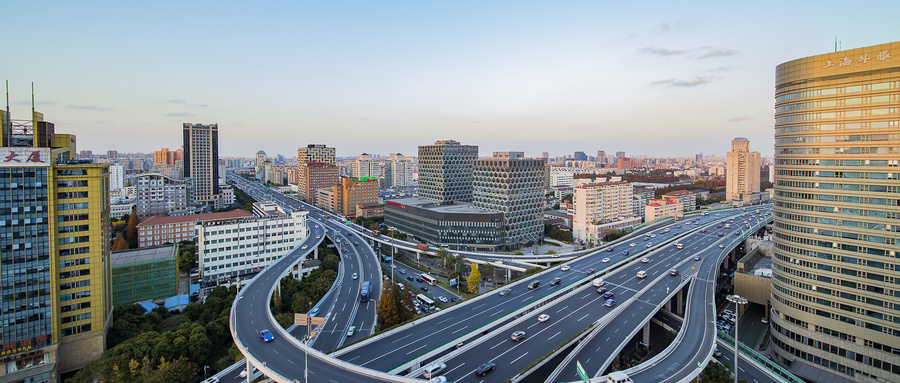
610, 302
266, 335
608, 295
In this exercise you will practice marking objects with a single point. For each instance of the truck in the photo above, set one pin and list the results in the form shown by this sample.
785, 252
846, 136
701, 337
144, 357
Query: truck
422, 246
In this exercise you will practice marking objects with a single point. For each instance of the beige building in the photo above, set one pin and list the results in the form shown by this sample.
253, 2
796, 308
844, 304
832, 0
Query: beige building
315, 176
688, 199
366, 167
837, 182
663, 207
315, 153
201, 161
742, 170
345, 197
600, 204
159, 230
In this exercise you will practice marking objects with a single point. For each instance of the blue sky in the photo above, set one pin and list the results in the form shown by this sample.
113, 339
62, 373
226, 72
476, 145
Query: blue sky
661, 78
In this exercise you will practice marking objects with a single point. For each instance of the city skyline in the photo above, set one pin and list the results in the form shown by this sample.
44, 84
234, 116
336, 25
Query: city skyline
667, 79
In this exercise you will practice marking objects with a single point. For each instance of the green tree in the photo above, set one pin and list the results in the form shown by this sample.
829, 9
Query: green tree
716, 373
473, 279
407, 309
443, 255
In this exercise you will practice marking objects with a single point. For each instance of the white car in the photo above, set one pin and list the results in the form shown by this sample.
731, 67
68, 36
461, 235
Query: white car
442, 299
439, 379
393, 266
565, 268
645, 260
605, 260
543, 318
633, 244
721, 246
244, 372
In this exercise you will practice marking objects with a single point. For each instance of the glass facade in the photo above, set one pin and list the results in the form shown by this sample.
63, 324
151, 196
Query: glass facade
835, 295
445, 171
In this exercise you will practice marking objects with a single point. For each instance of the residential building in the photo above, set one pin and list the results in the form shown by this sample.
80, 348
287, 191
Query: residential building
118, 210
742, 170
511, 184
157, 194
565, 176
663, 207
357, 191
145, 274
315, 176
445, 171
260, 163
397, 171
834, 284
600, 204
366, 167
164, 156
54, 253
642, 197
229, 248
116, 177
688, 199
453, 224
201, 161
160, 230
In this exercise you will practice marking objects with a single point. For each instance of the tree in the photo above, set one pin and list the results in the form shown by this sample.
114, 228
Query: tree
488, 271
716, 373
443, 255
407, 309
388, 306
119, 244
131, 233
473, 279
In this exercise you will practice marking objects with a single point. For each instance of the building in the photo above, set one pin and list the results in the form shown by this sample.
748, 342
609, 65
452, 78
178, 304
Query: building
315, 176
366, 167
355, 192
157, 194
116, 177
144, 274
370, 210
201, 161
663, 207
118, 210
565, 176
579, 156
445, 171
54, 253
741, 170
260, 163
452, 224
600, 204
688, 199
834, 283
511, 184
160, 230
397, 171
164, 156
229, 248
318, 153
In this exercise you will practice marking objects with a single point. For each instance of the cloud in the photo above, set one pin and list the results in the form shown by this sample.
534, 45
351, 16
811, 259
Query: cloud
662, 51
720, 69
37, 103
184, 102
180, 115
88, 107
741, 118
697, 81
719, 53
103, 121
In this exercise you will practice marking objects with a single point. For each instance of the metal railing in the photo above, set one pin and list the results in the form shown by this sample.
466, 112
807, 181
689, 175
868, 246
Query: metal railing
752, 355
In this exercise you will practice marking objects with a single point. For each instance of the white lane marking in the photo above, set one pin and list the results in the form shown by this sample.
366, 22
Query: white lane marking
423, 346
462, 328
498, 344
554, 335
517, 359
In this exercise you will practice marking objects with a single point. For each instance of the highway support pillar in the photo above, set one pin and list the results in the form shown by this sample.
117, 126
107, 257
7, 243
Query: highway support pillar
647, 335
680, 304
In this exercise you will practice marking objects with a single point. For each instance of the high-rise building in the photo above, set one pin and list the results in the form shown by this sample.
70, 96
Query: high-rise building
315, 176
599, 204
579, 156
167, 157
201, 161
445, 171
315, 153
366, 167
742, 170
112, 154
601, 157
837, 182
157, 194
116, 177
397, 171
513, 185
260, 163
55, 271
620, 154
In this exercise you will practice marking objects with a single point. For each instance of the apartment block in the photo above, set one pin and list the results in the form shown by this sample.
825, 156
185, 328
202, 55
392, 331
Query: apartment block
160, 230
600, 204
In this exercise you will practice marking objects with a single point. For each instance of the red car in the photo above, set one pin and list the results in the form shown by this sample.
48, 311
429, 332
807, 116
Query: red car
590, 271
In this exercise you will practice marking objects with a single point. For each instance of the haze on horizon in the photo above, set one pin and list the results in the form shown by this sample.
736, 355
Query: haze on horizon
653, 78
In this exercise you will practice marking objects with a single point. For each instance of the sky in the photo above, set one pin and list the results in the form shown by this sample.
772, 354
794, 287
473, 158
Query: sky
656, 78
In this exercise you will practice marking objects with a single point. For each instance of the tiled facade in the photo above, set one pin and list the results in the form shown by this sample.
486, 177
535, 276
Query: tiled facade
598, 205
742, 170
511, 184
445, 171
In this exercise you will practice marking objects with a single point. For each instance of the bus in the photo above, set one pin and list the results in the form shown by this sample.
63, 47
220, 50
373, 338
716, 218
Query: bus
425, 301
364, 292
429, 279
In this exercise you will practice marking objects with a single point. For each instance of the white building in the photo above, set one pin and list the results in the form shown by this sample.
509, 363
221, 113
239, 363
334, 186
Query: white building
116, 177
229, 248
366, 167
565, 176
398, 171
597, 205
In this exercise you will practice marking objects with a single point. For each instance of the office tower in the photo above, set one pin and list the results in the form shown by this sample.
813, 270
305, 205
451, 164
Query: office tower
599, 204
116, 177
315, 176
513, 185
85, 155
834, 284
445, 171
742, 170
397, 171
315, 153
366, 167
579, 156
698, 158
601, 157
54, 256
260, 163
201, 161
620, 154
157, 194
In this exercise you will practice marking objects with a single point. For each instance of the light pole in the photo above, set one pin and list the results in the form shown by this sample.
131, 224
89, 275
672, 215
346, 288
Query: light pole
738, 301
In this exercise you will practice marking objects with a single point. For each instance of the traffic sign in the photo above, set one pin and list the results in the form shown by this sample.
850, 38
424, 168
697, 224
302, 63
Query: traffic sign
306, 320
453, 282
581, 373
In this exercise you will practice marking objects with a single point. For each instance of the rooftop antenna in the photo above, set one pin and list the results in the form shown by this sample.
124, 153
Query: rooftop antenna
7, 97
32, 98
835, 43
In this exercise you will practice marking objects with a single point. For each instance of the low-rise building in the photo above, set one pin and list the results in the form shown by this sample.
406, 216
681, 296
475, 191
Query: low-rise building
663, 207
456, 224
688, 199
144, 274
159, 230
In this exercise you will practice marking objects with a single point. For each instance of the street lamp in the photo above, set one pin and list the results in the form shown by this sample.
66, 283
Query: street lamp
737, 300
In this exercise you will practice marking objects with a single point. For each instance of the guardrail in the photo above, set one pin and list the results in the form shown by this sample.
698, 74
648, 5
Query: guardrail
751, 354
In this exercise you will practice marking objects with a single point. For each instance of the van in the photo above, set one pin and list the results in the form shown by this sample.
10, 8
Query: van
599, 282
434, 369
534, 285
618, 377
642, 274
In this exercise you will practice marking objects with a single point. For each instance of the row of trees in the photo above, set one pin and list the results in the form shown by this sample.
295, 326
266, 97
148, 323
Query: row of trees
297, 296
164, 346
394, 307
130, 238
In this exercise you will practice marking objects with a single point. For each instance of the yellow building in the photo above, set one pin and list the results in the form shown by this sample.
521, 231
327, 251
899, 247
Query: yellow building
837, 182
742, 171
58, 255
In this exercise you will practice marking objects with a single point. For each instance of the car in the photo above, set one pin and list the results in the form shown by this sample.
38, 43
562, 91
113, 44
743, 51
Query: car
696, 257
453, 300
652, 235
737, 233
409, 279
314, 312
554, 255
624, 253
443, 299
418, 279
649, 245
555, 281
304, 247
402, 271
608, 295
645, 260
266, 335
565, 268
485, 368
646, 238
719, 226
517, 335
425, 289
610, 249
355, 276
505, 292
244, 372
610, 303
673, 272
717, 353
439, 379
721, 246
345, 249
346, 243
543, 318
351, 331
632, 244
318, 236
355, 243
605, 260
764, 321
721, 234
400, 285
590, 271
393, 266
601, 290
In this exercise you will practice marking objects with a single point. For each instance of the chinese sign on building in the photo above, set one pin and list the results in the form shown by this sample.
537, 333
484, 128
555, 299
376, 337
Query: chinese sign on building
24, 157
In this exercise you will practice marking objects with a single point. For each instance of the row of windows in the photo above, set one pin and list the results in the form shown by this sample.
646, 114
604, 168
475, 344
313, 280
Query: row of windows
73, 217
837, 102
74, 273
839, 174
839, 114
75, 295
75, 318
79, 194
833, 186
70, 240
777, 290
75, 306
838, 90
76, 330
837, 126
818, 162
72, 285
72, 206
72, 183
858, 249
229, 248
74, 251
839, 351
839, 210
851, 150
71, 172
839, 198
829, 139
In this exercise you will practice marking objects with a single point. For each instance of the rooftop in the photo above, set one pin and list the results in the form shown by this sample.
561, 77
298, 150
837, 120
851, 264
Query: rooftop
143, 255
163, 220
445, 208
